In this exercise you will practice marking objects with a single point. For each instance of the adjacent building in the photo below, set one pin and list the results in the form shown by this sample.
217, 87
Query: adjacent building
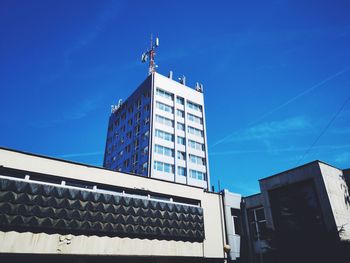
159, 132
55, 210
306, 203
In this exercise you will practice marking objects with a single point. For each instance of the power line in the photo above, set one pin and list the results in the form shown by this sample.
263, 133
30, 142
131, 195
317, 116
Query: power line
324, 130
282, 105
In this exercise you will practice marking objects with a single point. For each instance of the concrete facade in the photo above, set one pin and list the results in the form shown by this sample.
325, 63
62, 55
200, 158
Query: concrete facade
330, 187
160, 132
212, 246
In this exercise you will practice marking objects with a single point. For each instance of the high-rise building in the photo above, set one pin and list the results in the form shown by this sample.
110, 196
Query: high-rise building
159, 132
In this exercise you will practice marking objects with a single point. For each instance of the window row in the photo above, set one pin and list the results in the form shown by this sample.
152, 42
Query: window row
195, 131
163, 167
197, 175
194, 106
164, 94
164, 150
179, 99
195, 145
164, 107
194, 118
197, 159
164, 135
165, 121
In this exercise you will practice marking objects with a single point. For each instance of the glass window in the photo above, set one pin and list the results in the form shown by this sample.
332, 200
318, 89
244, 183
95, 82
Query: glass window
163, 167
181, 155
180, 126
164, 94
195, 145
197, 175
195, 131
164, 107
194, 106
164, 135
180, 100
165, 121
194, 118
180, 140
181, 171
163, 150
197, 159
257, 222
180, 113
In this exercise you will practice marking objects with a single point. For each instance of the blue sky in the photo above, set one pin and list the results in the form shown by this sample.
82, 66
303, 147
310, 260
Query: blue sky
275, 73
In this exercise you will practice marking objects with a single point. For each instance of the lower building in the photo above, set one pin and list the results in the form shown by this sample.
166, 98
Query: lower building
298, 211
57, 210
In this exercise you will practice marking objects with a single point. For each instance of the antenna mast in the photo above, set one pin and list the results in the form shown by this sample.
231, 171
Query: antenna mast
150, 54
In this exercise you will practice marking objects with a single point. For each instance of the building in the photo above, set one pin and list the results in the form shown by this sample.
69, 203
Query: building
54, 210
159, 132
303, 205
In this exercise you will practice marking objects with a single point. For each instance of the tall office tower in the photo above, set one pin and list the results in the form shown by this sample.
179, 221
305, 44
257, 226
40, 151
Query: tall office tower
159, 131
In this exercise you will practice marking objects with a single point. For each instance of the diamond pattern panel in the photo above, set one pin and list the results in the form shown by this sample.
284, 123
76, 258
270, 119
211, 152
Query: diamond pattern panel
35, 207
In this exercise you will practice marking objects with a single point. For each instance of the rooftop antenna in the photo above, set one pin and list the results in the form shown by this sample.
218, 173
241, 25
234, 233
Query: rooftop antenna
149, 55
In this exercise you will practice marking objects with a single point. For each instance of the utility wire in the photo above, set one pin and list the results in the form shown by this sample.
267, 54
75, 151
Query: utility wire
324, 130
284, 104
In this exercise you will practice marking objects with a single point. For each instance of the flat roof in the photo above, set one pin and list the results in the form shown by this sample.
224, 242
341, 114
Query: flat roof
298, 167
99, 167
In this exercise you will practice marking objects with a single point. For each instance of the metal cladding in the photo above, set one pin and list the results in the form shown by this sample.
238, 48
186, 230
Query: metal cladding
27, 206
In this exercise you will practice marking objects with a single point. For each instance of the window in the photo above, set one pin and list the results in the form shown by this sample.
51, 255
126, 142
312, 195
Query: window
136, 144
138, 116
145, 150
138, 103
165, 121
127, 148
181, 171
181, 155
194, 106
180, 126
195, 131
180, 140
146, 121
126, 163
130, 110
195, 145
180, 100
164, 94
236, 214
194, 118
137, 129
144, 166
257, 223
163, 150
197, 175
134, 159
145, 135
163, 167
197, 159
164, 107
164, 135
180, 113
128, 135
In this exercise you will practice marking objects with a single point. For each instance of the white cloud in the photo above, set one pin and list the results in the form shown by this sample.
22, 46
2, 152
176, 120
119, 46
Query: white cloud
274, 129
343, 158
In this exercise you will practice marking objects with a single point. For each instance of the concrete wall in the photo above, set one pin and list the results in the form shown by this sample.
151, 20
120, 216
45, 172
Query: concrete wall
232, 200
331, 189
338, 194
178, 89
13, 242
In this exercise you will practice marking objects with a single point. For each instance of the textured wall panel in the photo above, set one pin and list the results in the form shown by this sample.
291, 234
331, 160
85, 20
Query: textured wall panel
52, 209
